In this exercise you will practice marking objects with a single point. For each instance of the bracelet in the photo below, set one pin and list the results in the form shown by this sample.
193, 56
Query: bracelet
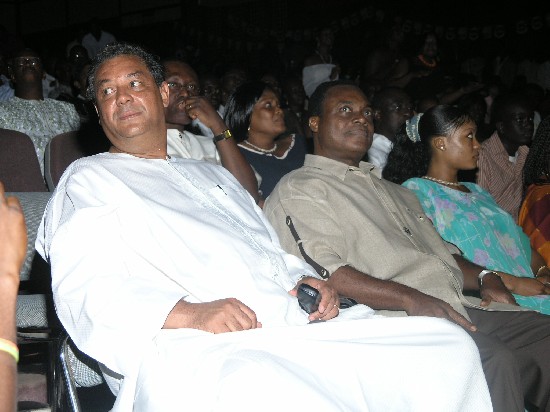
483, 273
9, 347
538, 271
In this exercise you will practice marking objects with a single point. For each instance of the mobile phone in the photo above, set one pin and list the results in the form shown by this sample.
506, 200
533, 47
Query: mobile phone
308, 298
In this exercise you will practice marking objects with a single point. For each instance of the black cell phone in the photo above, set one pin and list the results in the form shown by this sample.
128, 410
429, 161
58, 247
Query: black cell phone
308, 298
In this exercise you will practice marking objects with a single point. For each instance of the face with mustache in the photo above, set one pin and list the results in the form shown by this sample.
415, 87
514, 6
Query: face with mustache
344, 129
131, 105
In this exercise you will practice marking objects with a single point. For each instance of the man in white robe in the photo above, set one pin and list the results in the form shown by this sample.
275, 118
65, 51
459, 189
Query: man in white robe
166, 272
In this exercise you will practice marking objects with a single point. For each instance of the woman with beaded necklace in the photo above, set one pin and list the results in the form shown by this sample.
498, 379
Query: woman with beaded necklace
466, 215
256, 119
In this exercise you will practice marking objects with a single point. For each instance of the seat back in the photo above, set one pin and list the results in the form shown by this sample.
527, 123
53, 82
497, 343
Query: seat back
19, 166
60, 152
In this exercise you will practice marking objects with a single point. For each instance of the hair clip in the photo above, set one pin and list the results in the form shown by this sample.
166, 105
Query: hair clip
411, 127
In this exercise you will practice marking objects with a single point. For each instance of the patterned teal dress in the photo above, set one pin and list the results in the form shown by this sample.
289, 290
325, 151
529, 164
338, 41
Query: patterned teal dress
486, 234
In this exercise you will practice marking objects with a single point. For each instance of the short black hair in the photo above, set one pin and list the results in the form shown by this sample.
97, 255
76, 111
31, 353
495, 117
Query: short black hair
315, 105
123, 49
240, 104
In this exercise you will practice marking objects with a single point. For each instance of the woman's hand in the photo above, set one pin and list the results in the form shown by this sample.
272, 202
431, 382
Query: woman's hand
525, 286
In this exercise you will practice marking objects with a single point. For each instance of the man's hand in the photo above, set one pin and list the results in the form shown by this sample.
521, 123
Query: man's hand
219, 316
198, 107
420, 304
493, 289
329, 306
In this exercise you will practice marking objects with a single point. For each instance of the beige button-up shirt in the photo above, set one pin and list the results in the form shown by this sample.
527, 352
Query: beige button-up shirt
348, 215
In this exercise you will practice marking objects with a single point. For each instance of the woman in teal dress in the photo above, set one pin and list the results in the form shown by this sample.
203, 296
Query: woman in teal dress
466, 215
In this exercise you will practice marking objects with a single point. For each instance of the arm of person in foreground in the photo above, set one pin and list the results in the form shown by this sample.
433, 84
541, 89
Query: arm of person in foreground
13, 245
231, 157
387, 295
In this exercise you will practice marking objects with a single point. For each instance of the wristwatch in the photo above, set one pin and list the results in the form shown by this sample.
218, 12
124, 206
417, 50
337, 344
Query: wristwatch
482, 275
226, 134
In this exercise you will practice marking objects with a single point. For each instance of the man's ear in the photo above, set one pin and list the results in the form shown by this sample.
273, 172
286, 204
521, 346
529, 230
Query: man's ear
164, 93
377, 113
314, 123
499, 126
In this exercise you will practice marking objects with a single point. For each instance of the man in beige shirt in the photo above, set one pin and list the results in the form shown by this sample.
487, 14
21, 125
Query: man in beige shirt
370, 239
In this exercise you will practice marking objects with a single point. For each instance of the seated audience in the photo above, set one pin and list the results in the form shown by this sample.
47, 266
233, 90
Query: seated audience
319, 67
387, 64
184, 106
6, 91
13, 246
28, 111
534, 214
295, 106
96, 38
466, 215
193, 302
503, 154
255, 117
372, 242
392, 108
230, 80
211, 89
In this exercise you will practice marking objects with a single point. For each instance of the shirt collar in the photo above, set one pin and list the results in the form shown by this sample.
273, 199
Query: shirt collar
338, 168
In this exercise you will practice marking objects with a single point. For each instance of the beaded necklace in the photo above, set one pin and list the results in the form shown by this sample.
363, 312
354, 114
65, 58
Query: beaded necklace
259, 149
443, 182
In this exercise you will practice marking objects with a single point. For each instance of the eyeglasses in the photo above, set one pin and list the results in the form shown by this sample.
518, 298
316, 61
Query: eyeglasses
401, 108
192, 88
210, 89
27, 61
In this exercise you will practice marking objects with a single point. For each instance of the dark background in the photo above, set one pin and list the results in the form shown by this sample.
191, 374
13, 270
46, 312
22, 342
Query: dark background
213, 34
